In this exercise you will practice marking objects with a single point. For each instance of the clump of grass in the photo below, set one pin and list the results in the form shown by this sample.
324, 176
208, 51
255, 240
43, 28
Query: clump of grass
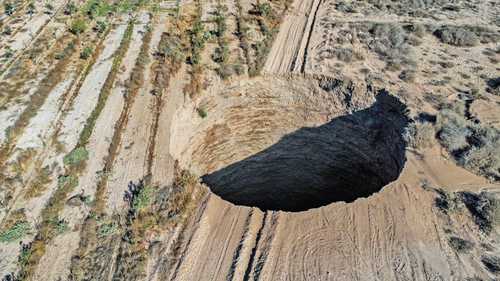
460, 245
15, 232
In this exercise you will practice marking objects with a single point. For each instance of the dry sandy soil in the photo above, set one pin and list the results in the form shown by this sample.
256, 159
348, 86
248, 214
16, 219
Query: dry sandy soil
250, 140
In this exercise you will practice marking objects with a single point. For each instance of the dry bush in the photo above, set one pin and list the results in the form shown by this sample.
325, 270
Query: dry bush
460, 245
492, 263
391, 43
474, 146
453, 130
457, 36
484, 209
421, 135
493, 86
484, 155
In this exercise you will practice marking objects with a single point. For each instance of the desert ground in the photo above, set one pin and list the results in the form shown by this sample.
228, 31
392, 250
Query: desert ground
249, 140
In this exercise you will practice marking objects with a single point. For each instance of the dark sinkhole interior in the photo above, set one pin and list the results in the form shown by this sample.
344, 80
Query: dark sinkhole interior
350, 157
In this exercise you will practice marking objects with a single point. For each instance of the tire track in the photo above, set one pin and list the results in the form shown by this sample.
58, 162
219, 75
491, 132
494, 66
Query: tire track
304, 60
237, 252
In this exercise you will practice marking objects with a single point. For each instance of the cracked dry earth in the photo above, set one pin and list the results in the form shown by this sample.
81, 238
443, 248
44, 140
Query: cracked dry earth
291, 155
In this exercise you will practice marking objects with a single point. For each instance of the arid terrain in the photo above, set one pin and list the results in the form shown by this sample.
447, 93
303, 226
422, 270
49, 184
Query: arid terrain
249, 140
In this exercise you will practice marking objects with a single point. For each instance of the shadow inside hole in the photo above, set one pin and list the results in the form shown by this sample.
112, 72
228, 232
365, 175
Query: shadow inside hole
351, 156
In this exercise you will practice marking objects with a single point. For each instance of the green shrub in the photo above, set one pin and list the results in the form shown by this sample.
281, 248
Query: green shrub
142, 199
76, 156
97, 8
446, 201
7, 30
107, 229
16, 232
78, 26
86, 53
264, 9
100, 27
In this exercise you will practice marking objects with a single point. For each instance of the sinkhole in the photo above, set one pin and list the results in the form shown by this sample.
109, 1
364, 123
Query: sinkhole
296, 146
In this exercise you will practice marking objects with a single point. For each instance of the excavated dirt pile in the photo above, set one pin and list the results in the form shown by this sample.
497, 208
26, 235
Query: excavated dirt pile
297, 143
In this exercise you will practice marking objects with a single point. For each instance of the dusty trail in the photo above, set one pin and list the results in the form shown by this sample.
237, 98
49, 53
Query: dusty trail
291, 42
131, 160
